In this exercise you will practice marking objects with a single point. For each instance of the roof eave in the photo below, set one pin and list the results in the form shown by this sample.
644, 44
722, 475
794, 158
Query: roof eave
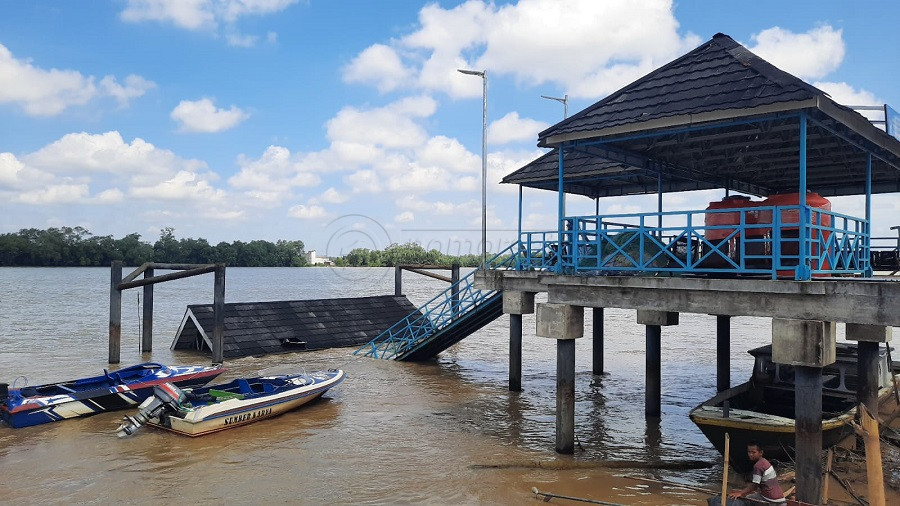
860, 125
684, 120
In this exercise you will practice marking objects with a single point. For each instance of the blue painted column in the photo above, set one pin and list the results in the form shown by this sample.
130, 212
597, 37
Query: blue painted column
519, 234
867, 240
803, 269
561, 212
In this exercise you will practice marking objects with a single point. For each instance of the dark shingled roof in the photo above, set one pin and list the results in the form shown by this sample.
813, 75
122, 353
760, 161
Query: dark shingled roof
717, 117
720, 74
257, 328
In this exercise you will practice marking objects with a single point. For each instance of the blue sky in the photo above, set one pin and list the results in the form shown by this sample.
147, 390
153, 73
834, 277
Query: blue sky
344, 123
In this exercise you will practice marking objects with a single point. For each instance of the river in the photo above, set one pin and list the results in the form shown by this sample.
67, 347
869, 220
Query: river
392, 433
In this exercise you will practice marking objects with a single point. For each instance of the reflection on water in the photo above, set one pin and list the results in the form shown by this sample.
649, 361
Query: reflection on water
391, 433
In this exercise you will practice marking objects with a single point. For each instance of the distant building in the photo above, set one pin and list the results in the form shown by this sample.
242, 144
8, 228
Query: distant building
312, 259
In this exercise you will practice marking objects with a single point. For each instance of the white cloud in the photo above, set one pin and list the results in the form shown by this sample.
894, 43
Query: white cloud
80, 153
364, 181
135, 86
447, 154
379, 65
111, 196
332, 196
42, 92
404, 217
511, 128
308, 212
183, 186
392, 126
199, 14
810, 55
271, 177
55, 194
534, 41
203, 116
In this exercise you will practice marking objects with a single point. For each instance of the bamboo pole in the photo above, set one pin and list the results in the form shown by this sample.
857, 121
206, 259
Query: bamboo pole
725, 470
827, 477
867, 427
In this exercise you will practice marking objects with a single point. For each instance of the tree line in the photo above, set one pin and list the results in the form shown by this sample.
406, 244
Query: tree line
78, 247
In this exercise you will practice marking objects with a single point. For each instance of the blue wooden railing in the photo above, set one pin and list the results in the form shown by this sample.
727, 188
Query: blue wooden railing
450, 305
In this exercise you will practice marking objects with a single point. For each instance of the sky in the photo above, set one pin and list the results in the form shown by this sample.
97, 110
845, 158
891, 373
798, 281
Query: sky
344, 123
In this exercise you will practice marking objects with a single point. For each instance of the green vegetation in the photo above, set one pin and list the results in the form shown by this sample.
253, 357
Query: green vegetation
396, 254
77, 247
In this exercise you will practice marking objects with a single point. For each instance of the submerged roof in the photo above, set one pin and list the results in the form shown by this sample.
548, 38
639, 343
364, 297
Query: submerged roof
717, 117
257, 328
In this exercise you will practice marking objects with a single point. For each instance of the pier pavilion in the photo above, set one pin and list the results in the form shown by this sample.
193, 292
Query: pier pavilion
718, 117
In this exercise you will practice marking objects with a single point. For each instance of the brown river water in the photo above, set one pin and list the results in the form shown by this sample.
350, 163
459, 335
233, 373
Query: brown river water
442, 432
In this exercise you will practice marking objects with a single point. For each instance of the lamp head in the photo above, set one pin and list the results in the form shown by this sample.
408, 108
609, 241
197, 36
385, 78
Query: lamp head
479, 73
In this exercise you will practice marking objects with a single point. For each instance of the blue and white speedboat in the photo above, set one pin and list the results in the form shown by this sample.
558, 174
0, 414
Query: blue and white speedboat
213, 408
127, 387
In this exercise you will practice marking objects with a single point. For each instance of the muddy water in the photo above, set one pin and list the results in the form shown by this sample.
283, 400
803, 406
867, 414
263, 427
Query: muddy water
392, 433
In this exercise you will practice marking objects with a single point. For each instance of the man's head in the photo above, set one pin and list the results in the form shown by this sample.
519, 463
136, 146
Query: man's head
754, 451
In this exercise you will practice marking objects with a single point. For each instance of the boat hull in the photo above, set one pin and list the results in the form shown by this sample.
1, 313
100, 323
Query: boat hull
93, 397
776, 434
232, 413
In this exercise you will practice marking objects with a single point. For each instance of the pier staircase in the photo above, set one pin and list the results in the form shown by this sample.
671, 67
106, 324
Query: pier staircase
445, 320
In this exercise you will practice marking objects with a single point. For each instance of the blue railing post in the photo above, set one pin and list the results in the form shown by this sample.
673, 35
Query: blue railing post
803, 269
867, 258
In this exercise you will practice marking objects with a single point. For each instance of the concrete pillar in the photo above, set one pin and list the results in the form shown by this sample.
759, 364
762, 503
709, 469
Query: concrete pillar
515, 304
808, 438
218, 338
723, 352
515, 353
115, 312
565, 324
808, 345
565, 396
598, 341
654, 320
653, 388
147, 332
868, 338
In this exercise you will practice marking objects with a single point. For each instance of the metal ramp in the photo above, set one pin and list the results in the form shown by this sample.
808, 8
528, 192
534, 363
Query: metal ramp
450, 317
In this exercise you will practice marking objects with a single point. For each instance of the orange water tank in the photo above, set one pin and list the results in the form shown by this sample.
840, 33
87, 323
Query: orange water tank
735, 203
790, 224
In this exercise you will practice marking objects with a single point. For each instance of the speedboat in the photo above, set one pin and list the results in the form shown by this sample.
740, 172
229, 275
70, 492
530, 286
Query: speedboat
129, 386
762, 409
204, 410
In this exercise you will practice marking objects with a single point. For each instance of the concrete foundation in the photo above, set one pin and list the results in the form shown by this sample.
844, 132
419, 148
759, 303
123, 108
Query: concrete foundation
808, 343
515, 302
869, 333
560, 321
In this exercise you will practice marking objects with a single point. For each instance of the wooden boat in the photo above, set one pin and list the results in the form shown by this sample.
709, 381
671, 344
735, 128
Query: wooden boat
762, 409
210, 409
33, 405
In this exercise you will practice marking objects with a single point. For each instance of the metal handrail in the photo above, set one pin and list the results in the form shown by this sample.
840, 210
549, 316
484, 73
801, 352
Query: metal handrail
436, 314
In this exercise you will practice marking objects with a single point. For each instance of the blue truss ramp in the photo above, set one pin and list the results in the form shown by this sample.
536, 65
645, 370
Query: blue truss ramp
450, 317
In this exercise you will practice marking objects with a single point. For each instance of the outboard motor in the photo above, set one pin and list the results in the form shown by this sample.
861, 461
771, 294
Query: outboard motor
165, 396
4, 391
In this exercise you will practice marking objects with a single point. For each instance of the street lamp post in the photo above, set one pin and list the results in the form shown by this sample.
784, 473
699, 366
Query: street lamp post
483, 75
565, 103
